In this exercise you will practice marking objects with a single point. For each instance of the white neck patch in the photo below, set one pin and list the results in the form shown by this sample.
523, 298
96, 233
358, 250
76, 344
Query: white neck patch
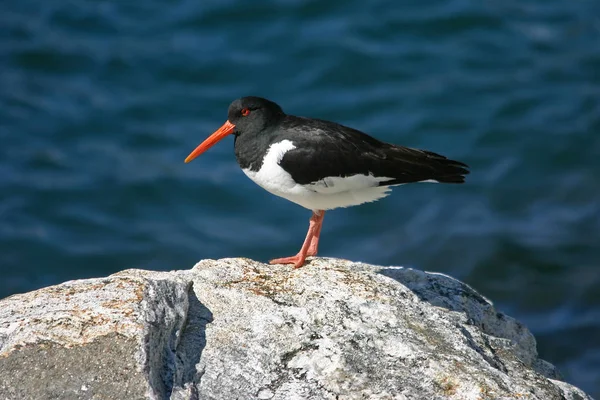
277, 151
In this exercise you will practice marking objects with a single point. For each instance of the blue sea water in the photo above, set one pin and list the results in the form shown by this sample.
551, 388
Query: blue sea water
100, 102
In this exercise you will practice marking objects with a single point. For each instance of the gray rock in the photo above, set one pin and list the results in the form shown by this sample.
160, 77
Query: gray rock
239, 329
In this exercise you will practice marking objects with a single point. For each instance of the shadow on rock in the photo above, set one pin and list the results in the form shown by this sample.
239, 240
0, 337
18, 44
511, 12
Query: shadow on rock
189, 350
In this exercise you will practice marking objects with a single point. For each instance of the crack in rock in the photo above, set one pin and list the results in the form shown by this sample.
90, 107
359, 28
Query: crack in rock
191, 343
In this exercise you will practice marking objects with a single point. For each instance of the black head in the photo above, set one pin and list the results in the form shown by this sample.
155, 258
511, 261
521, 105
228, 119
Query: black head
253, 114
247, 115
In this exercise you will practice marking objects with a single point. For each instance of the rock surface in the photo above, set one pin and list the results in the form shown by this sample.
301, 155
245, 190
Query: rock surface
239, 329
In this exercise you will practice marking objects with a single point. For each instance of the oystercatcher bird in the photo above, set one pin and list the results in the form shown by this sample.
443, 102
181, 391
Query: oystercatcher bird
321, 165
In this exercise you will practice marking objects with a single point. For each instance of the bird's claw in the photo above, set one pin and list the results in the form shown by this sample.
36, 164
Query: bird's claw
297, 260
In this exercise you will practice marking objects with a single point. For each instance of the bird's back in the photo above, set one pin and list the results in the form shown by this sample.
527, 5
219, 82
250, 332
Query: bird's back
327, 149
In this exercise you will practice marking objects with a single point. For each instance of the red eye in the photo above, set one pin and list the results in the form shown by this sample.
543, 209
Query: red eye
245, 112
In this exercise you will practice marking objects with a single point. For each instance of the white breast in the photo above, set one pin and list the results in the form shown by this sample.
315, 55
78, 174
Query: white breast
271, 176
326, 194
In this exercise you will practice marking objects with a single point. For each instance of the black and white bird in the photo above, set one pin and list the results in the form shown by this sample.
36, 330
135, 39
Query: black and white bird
321, 165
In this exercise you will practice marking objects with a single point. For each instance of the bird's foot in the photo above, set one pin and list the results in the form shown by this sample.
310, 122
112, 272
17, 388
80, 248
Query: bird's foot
297, 260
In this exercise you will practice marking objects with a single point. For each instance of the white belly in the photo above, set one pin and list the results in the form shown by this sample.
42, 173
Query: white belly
326, 194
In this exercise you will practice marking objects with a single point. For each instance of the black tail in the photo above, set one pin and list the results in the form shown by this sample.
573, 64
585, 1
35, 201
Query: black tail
413, 165
448, 171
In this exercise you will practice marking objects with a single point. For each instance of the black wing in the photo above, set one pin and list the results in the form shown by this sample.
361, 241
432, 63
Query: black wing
326, 149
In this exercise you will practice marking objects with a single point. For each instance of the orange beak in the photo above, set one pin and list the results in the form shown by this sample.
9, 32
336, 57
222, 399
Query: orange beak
226, 129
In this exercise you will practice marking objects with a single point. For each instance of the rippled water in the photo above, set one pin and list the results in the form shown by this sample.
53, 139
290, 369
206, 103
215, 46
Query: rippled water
100, 102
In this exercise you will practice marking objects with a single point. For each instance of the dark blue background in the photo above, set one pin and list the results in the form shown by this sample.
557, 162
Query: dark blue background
100, 102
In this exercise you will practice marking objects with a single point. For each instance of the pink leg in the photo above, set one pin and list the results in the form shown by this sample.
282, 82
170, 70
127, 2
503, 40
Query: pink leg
310, 245
314, 243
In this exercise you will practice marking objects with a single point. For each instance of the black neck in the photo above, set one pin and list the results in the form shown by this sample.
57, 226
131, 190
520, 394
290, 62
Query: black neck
251, 147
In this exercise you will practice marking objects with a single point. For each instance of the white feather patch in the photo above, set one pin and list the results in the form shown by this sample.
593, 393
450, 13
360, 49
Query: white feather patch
271, 176
336, 184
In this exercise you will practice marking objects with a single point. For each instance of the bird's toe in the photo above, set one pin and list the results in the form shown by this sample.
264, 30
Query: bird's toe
296, 260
